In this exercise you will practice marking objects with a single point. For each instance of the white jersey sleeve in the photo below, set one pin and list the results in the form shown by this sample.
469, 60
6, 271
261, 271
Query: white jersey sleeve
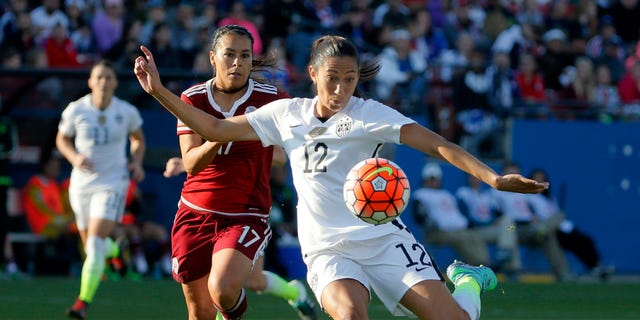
266, 121
382, 122
66, 124
135, 119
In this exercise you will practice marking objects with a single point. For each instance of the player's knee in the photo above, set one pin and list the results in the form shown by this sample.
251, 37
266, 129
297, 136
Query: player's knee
95, 247
224, 291
345, 309
348, 313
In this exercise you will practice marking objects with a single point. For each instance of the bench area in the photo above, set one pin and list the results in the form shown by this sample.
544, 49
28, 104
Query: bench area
30, 241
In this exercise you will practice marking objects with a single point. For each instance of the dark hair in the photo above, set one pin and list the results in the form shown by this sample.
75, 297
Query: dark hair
47, 156
224, 30
258, 65
540, 171
105, 63
156, 29
337, 46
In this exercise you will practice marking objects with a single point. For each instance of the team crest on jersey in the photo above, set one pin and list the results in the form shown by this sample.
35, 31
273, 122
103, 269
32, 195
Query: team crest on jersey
119, 119
344, 127
250, 109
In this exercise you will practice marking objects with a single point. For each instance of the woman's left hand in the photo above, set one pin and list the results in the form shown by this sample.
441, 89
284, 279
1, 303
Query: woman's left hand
518, 183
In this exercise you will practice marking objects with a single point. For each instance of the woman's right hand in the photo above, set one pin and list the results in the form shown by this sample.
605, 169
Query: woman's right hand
173, 167
82, 162
146, 71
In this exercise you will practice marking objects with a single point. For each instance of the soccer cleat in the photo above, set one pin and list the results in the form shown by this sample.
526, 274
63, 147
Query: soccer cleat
304, 304
78, 310
484, 276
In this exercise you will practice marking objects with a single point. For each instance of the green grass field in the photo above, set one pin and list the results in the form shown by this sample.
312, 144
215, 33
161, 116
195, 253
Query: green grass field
48, 298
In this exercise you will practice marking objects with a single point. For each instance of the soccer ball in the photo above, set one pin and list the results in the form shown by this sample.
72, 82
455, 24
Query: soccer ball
376, 190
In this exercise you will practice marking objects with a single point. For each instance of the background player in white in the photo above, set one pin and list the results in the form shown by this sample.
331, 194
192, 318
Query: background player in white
221, 226
92, 136
477, 205
437, 211
324, 137
531, 231
570, 237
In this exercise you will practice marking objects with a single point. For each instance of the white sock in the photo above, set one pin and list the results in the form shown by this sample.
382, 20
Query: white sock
467, 294
469, 301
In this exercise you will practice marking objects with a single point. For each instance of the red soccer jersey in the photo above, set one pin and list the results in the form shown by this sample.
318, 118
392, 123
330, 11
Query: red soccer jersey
236, 182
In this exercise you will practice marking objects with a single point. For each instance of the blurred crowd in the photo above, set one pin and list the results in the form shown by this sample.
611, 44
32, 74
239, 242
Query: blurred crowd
466, 66
472, 218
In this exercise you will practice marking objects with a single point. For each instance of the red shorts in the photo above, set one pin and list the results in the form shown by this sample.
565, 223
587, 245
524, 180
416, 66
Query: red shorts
195, 237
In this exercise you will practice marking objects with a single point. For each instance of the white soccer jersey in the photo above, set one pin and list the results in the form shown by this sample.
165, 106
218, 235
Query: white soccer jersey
441, 208
479, 203
515, 205
542, 206
321, 155
102, 136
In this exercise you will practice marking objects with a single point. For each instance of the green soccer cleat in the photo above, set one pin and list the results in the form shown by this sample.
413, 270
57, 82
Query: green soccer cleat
304, 304
484, 276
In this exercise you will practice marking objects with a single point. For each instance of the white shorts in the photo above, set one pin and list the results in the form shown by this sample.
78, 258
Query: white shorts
389, 265
104, 203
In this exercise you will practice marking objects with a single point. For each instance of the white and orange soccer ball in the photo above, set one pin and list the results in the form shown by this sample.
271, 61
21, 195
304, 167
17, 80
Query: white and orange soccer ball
376, 190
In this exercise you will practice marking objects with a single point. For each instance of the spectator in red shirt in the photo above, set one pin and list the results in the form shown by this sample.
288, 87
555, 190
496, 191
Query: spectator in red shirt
60, 50
629, 91
531, 88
